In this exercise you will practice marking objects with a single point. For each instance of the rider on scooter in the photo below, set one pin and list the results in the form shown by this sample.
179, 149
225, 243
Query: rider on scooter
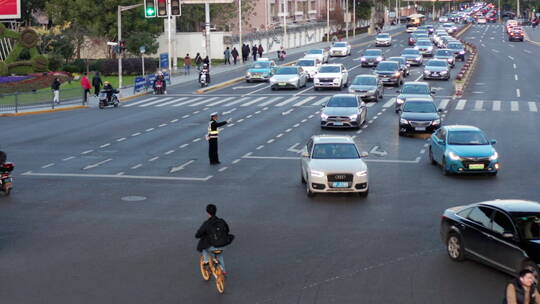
108, 88
205, 70
160, 78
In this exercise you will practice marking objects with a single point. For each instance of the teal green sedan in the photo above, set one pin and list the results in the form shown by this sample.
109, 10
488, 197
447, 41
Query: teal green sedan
261, 70
463, 149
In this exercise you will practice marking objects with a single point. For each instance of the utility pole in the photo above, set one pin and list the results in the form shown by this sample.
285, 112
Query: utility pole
327, 20
119, 24
207, 24
169, 34
518, 12
354, 18
499, 11
347, 20
285, 38
240, 23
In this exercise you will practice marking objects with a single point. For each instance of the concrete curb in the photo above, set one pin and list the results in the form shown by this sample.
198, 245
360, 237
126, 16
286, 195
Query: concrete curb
531, 41
124, 99
43, 111
460, 87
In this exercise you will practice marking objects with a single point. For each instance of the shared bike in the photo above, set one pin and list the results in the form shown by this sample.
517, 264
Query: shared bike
213, 268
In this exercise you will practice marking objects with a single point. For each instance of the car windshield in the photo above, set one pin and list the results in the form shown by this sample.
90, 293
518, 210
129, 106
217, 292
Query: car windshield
424, 42
304, 63
287, 71
455, 46
387, 66
467, 138
529, 226
410, 52
329, 69
335, 151
443, 53
383, 36
373, 53
436, 63
364, 81
415, 89
342, 102
314, 52
261, 65
340, 44
419, 107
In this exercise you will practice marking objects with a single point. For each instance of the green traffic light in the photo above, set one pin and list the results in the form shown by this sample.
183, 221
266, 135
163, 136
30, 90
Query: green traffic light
150, 11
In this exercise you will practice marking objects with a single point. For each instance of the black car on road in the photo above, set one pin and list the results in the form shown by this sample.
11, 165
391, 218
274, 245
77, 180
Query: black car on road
418, 115
504, 234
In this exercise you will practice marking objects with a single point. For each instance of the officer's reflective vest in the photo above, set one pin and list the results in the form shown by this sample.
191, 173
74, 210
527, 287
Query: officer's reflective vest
212, 133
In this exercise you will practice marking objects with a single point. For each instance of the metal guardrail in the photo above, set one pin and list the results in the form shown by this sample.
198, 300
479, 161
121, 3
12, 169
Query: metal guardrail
13, 103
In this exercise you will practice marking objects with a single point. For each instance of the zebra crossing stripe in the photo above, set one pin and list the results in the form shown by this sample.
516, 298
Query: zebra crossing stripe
532, 106
496, 105
220, 101
269, 101
444, 104
308, 99
203, 101
170, 102
389, 103
287, 101
514, 106
320, 102
237, 101
187, 101
478, 105
154, 102
139, 102
252, 102
461, 104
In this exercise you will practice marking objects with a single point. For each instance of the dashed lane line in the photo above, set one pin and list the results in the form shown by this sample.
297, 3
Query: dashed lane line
87, 151
105, 145
136, 134
183, 146
48, 165
389, 103
518, 93
121, 139
223, 169
136, 166
68, 158
98, 164
153, 159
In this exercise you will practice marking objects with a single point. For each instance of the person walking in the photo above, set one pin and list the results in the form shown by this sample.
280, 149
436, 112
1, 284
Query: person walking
187, 64
213, 134
198, 61
234, 54
85, 83
227, 55
247, 52
522, 290
261, 50
55, 87
97, 83
243, 50
254, 51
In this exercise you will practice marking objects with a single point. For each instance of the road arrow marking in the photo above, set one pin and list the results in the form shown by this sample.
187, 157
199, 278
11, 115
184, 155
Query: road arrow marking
181, 167
97, 164
375, 150
293, 148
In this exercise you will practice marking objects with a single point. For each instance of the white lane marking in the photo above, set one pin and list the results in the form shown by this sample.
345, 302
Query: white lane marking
287, 112
307, 99
68, 158
279, 135
183, 146
169, 152
181, 167
162, 125
121, 139
97, 164
236, 161
186, 116
532, 106
270, 141
260, 147
311, 116
171, 102
149, 129
196, 112
321, 101
510, 45
136, 134
240, 120
303, 91
303, 120
136, 166
296, 125
288, 130
263, 88
197, 139
153, 158
230, 125
203, 102
48, 165
515, 66
257, 112
419, 77
511, 58
105, 145
187, 101
478, 105
483, 45
461, 104
252, 102
516, 77
142, 177
494, 50
139, 102
389, 103
249, 116
154, 102
219, 102
496, 105
444, 103
229, 112
286, 101
514, 106
87, 151
527, 51
269, 101
237, 101
518, 93
223, 169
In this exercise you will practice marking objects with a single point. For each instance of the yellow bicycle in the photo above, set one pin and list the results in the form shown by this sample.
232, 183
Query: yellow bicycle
213, 268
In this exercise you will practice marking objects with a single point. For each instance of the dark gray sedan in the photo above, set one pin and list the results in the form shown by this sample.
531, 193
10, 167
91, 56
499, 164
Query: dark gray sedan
413, 56
371, 57
343, 111
437, 69
367, 87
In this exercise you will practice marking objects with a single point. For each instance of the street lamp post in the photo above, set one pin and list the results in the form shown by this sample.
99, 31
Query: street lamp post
347, 21
327, 20
285, 38
240, 23
119, 21
354, 18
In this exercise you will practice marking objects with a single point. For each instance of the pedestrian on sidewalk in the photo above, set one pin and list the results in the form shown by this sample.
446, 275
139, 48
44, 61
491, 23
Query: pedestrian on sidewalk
227, 54
97, 83
198, 61
248, 51
85, 83
243, 50
254, 51
522, 290
56, 90
260, 50
187, 64
234, 54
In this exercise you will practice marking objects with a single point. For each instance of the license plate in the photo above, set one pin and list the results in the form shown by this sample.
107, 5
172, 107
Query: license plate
476, 166
256, 76
341, 185
282, 83
338, 123
420, 128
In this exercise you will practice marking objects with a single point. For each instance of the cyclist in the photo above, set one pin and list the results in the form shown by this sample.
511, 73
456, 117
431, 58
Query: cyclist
213, 235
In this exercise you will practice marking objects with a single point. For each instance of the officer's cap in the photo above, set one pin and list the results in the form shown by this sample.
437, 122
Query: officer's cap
213, 114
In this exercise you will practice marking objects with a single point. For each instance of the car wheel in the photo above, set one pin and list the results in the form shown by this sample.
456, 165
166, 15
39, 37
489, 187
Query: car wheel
431, 159
309, 193
302, 177
298, 84
365, 193
273, 89
401, 133
455, 247
444, 168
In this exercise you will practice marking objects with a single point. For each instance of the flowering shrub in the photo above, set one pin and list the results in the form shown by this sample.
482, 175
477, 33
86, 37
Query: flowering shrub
12, 84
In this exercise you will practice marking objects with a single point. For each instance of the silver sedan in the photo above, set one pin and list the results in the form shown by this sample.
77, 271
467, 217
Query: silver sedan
289, 77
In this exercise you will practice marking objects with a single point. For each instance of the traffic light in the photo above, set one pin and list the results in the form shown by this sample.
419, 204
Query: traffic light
175, 8
149, 8
162, 8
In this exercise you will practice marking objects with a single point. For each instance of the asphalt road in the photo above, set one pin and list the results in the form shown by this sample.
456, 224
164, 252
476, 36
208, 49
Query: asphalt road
107, 202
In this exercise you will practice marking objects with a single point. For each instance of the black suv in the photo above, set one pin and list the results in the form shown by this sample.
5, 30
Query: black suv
389, 72
418, 115
504, 234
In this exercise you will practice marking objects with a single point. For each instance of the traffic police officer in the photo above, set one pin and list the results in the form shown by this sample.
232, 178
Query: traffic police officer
213, 134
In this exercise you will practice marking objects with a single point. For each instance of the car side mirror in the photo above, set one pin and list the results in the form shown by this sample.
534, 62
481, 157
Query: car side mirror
364, 154
305, 154
493, 141
433, 92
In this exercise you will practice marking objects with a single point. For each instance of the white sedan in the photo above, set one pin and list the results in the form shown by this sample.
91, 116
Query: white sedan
333, 164
320, 54
340, 49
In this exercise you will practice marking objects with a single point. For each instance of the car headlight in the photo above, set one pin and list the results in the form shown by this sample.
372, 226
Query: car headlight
462, 52
444, 72
400, 101
324, 116
371, 92
317, 173
403, 121
416, 47
453, 156
351, 90
426, 72
419, 58
437, 122
362, 58
379, 58
396, 74
248, 74
361, 173
495, 156
450, 59
430, 48
336, 80
353, 117
315, 80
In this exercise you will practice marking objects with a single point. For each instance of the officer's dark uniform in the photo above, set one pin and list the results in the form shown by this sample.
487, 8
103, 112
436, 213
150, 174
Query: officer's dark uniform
213, 134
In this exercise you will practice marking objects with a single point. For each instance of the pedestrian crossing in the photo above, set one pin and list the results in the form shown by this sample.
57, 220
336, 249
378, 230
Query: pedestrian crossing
475, 105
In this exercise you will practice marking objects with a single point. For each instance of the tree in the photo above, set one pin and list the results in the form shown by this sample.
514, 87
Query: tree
193, 15
28, 7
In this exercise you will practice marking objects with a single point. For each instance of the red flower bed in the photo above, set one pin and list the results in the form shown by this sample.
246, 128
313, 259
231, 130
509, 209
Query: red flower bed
35, 82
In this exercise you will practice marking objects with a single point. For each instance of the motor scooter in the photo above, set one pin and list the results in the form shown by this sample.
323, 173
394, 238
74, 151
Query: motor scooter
6, 181
105, 102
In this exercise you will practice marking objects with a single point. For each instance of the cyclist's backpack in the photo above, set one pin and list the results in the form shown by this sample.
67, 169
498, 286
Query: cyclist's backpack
219, 235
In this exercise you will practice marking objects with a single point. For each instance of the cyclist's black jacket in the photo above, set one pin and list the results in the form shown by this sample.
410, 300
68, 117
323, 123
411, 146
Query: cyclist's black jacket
202, 233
